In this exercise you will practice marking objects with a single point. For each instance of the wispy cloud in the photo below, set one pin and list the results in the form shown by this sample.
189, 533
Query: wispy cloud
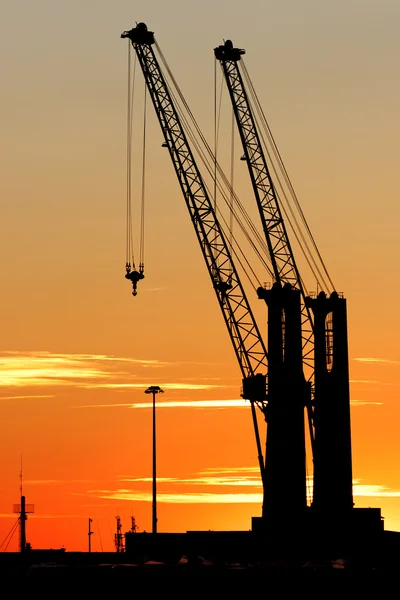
211, 479
188, 498
26, 397
214, 482
236, 403
218, 404
45, 368
88, 371
225, 477
196, 404
167, 386
22, 357
370, 382
365, 403
371, 490
251, 481
386, 361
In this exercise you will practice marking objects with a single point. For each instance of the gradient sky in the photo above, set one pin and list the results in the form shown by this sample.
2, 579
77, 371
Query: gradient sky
77, 350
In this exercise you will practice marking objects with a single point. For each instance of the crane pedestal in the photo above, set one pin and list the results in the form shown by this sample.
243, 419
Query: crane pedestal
333, 491
340, 533
288, 394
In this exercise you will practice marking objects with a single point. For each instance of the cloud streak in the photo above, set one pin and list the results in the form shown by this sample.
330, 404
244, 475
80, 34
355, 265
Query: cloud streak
25, 397
141, 385
43, 369
384, 361
369, 382
86, 371
215, 483
221, 404
188, 498
215, 404
374, 491
365, 403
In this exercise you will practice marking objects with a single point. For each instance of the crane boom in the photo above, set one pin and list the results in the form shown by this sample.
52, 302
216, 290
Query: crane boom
282, 258
281, 255
244, 333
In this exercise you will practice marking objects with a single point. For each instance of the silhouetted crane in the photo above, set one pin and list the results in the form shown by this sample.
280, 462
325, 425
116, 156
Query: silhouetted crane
305, 335
242, 328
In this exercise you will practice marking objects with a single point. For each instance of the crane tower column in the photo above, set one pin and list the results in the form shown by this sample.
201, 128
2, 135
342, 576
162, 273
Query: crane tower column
333, 491
285, 497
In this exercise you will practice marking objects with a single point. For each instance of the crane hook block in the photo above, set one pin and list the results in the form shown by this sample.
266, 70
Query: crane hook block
134, 277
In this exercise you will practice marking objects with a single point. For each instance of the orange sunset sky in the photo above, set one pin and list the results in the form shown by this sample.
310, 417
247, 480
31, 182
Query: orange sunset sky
77, 351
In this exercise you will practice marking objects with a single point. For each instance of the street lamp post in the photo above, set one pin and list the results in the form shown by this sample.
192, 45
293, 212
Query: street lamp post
154, 389
90, 533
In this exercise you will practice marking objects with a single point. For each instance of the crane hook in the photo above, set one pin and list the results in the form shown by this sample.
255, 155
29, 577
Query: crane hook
134, 276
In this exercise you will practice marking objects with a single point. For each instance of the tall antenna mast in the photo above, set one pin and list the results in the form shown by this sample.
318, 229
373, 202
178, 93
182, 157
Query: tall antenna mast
134, 527
118, 537
23, 509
